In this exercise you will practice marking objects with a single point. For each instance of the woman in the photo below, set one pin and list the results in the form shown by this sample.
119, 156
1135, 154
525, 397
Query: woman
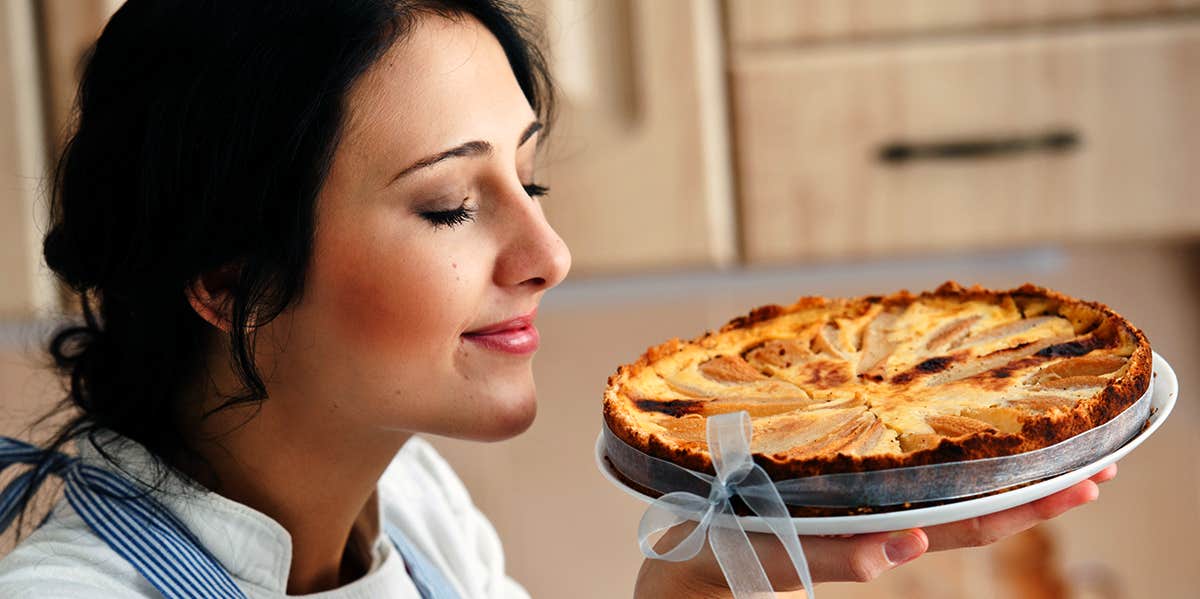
302, 232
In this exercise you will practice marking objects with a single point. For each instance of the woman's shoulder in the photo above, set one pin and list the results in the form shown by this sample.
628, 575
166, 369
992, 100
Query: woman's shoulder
63, 559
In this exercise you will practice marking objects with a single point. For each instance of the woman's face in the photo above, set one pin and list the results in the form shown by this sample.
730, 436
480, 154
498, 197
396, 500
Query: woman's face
431, 251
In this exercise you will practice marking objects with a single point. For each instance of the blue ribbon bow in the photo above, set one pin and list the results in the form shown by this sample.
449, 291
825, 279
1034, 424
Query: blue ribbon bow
737, 475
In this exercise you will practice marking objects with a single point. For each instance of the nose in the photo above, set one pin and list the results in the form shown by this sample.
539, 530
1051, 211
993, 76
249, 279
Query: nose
533, 255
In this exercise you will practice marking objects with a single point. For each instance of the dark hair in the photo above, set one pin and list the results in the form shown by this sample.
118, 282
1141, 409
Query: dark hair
205, 131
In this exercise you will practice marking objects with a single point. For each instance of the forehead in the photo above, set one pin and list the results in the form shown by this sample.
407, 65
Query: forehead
445, 81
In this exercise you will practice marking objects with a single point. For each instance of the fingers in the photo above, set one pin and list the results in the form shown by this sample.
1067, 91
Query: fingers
858, 558
988, 529
1105, 475
863, 557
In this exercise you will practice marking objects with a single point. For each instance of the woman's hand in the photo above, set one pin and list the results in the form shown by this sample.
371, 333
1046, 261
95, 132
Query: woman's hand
858, 558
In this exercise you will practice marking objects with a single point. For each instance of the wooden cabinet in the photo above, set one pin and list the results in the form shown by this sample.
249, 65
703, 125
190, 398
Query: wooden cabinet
41, 44
762, 22
814, 128
67, 29
24, 288
1066, 120
638, 163
701, 133
967, 142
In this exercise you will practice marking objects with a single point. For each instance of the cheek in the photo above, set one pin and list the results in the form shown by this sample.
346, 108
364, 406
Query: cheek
391, 301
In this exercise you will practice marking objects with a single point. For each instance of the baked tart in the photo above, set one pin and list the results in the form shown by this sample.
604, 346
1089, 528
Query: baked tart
879, 382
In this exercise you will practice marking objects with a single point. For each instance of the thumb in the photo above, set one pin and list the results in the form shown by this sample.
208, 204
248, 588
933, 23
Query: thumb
862, 558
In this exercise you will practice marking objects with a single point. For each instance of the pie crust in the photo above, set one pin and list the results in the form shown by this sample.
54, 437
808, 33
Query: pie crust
872, 383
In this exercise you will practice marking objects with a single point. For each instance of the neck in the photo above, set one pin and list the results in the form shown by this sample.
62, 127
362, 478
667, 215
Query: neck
307, 473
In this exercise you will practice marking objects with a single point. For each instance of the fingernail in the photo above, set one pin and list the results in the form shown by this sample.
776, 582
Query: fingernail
902, 547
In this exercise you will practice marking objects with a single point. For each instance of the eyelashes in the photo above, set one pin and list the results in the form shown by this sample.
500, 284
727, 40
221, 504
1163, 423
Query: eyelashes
465, 214
536, 191
450, 218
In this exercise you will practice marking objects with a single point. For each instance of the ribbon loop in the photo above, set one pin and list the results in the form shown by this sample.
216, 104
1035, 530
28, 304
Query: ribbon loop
669, 511
737, 475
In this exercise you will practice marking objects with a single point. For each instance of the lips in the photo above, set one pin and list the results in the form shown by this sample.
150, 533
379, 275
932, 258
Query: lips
514, 336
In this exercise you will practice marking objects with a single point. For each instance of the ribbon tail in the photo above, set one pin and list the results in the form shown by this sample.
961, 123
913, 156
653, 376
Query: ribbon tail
669, 511
763, 499
731, 545
10, 498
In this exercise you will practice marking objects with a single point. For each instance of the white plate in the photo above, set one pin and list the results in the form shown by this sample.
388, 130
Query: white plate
1165, 391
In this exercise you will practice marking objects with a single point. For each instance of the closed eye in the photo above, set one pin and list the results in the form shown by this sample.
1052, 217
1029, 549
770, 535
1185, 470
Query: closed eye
450, 218
534, 190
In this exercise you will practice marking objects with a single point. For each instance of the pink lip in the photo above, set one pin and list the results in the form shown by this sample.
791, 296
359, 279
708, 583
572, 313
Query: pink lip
515, 336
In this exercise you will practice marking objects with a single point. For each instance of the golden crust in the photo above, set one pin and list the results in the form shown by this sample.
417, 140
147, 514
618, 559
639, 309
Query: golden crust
657, 403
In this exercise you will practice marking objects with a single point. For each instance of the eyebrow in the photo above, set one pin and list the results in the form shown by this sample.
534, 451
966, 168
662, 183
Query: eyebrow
470, 148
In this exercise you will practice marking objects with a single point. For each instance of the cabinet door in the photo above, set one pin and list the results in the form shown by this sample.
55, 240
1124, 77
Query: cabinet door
41, 44
754, 22
1084, 135
638, 161
23, 287
68, 28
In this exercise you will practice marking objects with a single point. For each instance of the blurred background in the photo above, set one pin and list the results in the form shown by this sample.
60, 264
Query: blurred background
714, 156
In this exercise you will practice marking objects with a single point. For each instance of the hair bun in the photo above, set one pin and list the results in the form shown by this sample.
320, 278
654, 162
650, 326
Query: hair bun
81, 351
63, 257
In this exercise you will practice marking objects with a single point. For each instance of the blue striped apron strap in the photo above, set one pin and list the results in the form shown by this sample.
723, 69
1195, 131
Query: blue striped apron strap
127, 519
429, 580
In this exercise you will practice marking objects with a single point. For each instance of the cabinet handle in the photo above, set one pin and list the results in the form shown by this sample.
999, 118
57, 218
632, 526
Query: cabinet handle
898, 153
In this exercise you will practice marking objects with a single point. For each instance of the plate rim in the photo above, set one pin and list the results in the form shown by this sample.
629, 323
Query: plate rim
1164, 387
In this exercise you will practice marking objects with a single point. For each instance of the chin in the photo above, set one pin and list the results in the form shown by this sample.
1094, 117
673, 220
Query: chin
504, 419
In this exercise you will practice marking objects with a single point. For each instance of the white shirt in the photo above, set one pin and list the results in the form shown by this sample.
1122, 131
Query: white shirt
418, 493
